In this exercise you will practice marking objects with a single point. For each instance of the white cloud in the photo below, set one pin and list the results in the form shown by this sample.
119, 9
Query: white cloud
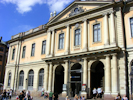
26, 5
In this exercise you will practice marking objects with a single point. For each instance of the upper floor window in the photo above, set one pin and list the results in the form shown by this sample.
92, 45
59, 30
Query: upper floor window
61, 41
131, 25
43, 46
0, 57
9, 79
33, 49
1, 49
96, 33
13, 54
77, 37
24, 49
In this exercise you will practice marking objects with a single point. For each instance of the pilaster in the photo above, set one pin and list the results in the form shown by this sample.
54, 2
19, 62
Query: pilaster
85, 36
52, 43
9, 55
46, 78
67, 51
50, 78
48, 44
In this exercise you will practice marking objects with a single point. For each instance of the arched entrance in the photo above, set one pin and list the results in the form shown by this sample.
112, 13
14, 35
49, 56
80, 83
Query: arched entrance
76, 79
97, 75
59, 79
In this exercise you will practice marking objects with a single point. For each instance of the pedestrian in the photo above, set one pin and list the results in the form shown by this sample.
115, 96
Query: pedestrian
55, 96
99, 91
4, 97
50, 95
118, 97
66, 98
10, 95
94, 93
80, 98
124, 97
21, 97
83, 98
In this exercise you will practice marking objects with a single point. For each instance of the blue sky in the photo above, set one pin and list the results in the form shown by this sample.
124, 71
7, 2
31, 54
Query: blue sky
22, 15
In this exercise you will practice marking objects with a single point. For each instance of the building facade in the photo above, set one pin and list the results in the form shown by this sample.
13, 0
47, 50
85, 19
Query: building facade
87, 45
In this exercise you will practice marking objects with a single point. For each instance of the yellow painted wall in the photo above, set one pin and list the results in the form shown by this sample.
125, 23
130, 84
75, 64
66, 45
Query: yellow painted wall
91, 44
57, 51
38, 49
127, 28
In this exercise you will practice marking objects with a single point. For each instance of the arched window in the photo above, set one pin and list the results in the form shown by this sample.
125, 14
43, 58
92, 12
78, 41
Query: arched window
21, 79
30, 79
9, 79
41, 78
77, 37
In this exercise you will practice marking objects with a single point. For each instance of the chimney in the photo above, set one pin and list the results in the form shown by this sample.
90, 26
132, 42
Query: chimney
51, 15
0, 38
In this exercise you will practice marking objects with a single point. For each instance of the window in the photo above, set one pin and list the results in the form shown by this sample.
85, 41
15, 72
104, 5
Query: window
24, 49
13, 54
9, 79
0, 57
33, 49
31, 78
96, 33
41, 78
131, 25
21, 78
61, 41
77, 37
1, 49
43, 46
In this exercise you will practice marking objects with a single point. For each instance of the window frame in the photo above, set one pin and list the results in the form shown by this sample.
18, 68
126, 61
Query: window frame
33, 48
131, 34
23, 53
62, 38
1, 57
9, 81
43, 51
21, 79
13, 53
79, 41
1, 49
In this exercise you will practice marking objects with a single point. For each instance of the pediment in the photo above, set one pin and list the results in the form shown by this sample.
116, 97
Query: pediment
76, 8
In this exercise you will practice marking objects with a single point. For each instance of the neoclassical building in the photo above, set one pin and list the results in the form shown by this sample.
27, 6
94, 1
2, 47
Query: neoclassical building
87, 45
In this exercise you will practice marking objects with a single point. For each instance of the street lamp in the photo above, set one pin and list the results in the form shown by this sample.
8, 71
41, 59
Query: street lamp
131, 79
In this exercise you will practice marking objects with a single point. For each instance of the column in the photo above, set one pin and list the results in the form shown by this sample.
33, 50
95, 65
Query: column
114, 75
50, 78
85, 71
9, 54
35, 84
48, 43
113, 41
107, 75
67, 40
52, 43
85, 36
106, 30
16, 52
53, 79
25, 79
19, 53
89, 82
46, 78
66, 72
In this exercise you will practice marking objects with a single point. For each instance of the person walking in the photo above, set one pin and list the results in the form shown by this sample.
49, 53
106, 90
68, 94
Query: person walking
4, 97
10, 95
94, 93
50, 95
99, 91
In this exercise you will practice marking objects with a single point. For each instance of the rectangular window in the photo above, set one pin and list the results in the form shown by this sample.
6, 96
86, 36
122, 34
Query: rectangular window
33, 49
131, 25
24, 49
13, 54
43, 46
77, 37
0, 58
96, 33
61, 41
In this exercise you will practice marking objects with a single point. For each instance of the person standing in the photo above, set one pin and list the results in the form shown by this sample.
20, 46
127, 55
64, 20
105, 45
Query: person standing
10, 95
50, 95
124, 97
99, 91
4, 95
94, 93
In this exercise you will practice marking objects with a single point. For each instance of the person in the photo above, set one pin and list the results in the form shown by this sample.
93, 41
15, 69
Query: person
42, 93
21, 97
50, 95
83, 98
94, 93
10, 95
99, 91
80, 98
4, 95
76, 97
124, 97
55, 96
45, 95
66, 98
17, 97
118, 97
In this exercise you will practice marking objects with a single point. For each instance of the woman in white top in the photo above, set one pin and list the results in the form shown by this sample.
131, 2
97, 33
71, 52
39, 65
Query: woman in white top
94, 93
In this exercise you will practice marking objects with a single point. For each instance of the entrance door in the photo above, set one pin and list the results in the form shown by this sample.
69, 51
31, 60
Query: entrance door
97, 75
75, 80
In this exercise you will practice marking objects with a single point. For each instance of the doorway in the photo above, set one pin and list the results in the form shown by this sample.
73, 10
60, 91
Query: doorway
97, 75
59, 79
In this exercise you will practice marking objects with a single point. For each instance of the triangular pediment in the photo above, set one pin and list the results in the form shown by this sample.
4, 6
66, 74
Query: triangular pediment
75, 8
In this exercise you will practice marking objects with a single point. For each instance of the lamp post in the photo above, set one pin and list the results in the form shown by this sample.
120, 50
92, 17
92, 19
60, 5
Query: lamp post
131, 79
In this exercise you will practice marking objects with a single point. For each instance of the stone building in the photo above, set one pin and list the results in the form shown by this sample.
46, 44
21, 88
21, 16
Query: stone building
87, 45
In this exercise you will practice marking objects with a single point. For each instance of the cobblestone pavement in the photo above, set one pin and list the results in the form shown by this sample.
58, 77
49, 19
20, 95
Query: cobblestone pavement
60, 98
